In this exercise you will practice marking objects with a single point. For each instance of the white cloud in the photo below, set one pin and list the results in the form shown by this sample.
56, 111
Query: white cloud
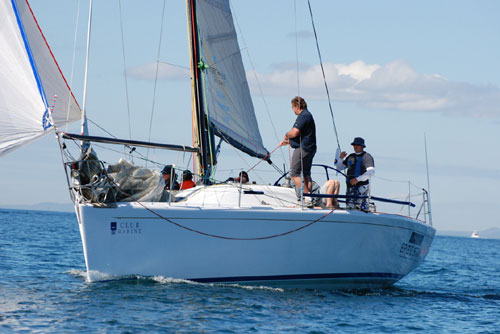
395, 86
165, 71
358, 70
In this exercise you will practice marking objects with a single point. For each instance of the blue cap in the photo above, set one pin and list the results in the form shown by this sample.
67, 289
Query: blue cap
358, 141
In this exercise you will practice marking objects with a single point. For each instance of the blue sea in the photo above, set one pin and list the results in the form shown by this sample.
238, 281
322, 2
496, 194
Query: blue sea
43, 290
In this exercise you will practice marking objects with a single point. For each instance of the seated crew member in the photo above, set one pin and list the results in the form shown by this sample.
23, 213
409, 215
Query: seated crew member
360, 167
168, 175
187, 180
242, 177
331, 187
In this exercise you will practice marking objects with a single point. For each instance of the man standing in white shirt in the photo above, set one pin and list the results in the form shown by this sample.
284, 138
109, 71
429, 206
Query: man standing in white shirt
360, 167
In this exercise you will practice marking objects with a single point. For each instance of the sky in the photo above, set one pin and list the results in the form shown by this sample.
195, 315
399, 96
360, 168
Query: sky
396, 71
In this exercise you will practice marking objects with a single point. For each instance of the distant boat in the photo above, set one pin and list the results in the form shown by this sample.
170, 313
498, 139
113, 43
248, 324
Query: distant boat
474, 235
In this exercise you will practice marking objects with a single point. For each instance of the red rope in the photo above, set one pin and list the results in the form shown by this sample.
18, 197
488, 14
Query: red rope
231, 238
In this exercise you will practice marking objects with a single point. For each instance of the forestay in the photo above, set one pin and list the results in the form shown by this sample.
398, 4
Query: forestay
226, 93
29, 79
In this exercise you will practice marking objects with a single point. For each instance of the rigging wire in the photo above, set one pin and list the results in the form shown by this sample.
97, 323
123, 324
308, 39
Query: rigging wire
100, 127
263, 159
133, 150
156, 74
238, 152
296, 45
398, 181
125, 69
175, 65
323, 72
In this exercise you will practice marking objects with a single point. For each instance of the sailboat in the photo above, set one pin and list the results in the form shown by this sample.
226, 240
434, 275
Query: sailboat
251, 234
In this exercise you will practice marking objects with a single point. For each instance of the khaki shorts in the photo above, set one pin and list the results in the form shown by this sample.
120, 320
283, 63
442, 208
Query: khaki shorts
297, 164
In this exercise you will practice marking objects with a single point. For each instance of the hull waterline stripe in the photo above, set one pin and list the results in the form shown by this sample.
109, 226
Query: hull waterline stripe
297, 277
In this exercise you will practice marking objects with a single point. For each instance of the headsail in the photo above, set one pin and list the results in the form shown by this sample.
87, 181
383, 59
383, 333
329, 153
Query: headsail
226, 93
29, 79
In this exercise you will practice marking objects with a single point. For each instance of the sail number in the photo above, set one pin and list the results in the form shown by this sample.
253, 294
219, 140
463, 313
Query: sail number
409, 251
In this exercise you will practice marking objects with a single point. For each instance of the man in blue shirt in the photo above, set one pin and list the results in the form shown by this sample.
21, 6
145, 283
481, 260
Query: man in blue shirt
302, 137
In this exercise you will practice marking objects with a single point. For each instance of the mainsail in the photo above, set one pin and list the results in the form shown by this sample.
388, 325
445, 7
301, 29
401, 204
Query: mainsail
226, 94
30, 79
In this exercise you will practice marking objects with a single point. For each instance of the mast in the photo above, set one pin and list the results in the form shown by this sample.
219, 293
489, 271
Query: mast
84, 128
201, 125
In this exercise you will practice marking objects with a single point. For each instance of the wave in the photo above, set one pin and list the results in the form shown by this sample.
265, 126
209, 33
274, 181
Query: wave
490, 296
465, 296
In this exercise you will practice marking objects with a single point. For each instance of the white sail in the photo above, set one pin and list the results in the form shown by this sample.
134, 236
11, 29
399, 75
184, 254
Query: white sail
30, 78
227, 96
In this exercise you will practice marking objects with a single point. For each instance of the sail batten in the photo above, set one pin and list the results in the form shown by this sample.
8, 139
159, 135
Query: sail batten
29, 77
228, 102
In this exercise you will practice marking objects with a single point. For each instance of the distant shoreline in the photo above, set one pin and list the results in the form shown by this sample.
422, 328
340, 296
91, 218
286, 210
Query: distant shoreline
57, 207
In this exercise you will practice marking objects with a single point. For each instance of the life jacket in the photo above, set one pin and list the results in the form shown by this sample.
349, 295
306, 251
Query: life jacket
187, 184
355, 168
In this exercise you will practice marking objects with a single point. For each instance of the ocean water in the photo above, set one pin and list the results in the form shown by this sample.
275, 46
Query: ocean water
43, 290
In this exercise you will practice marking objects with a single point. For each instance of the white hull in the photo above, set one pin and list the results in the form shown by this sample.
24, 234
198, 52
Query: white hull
346, 249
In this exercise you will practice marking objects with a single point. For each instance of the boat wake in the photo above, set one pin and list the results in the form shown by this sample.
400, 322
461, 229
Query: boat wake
246, 287
169, 280
94, 276
97, 277
77, 273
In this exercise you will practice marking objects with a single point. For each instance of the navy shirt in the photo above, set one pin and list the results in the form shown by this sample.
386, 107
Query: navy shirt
307, 128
